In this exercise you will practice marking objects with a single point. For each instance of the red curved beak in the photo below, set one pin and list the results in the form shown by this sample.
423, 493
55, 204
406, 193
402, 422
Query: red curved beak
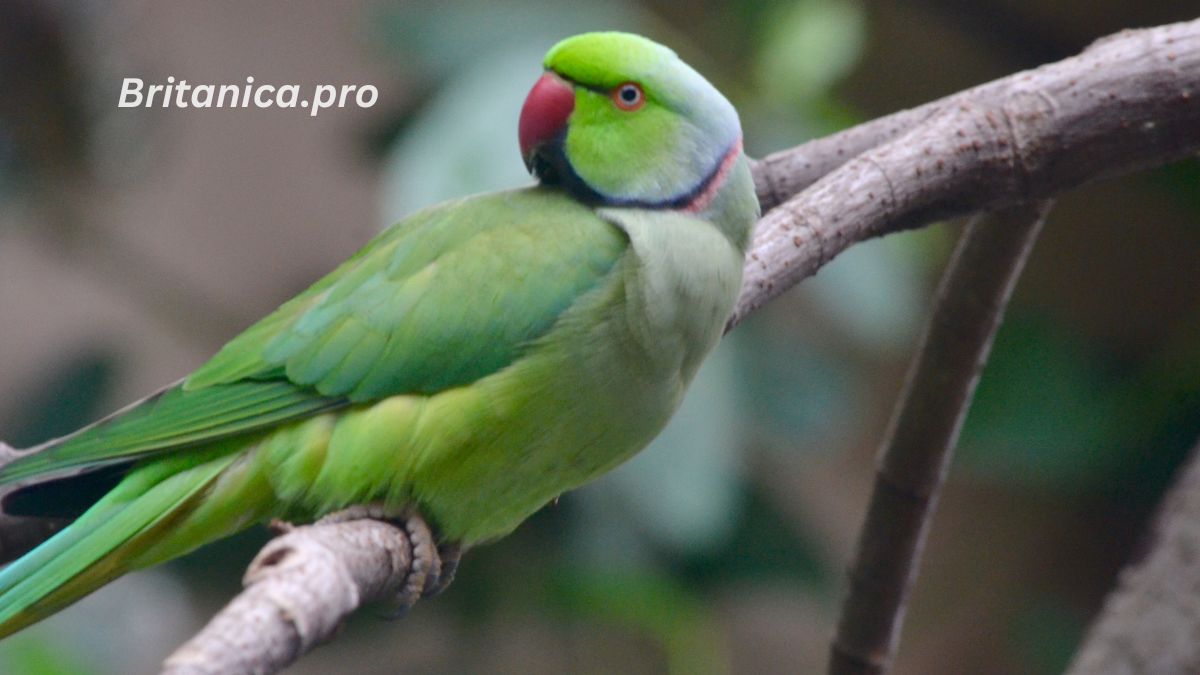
544, 114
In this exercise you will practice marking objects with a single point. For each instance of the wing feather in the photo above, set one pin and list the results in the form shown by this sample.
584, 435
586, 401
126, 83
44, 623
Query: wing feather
448, 296
439, 301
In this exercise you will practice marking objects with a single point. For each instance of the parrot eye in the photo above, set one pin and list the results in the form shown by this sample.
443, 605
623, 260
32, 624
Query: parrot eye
628, 96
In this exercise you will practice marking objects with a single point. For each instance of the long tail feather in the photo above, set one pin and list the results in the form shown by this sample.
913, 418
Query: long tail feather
113, 537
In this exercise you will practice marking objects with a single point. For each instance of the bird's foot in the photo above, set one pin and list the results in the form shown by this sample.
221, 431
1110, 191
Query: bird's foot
432, 567
450, 555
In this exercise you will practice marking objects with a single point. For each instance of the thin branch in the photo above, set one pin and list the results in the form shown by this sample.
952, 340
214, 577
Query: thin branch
1149, 623
970, 304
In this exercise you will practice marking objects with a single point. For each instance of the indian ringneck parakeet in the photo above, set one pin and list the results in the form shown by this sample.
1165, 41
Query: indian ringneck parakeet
474, 361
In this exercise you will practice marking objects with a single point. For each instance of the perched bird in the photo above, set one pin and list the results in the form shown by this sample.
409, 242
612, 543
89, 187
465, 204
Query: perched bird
473, 362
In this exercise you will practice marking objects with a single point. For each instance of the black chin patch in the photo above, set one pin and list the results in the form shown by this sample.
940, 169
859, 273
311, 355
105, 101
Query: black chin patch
551, 167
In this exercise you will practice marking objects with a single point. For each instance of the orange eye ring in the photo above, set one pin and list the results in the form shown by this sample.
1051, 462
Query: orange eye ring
628, 96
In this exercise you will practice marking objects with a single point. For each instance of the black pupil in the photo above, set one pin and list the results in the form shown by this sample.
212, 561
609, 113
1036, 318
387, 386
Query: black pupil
629, 94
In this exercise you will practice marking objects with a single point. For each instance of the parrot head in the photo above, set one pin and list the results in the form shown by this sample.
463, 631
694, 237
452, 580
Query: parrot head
619, 120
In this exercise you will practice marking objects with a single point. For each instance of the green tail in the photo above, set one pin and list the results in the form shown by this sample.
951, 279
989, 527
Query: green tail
125, 530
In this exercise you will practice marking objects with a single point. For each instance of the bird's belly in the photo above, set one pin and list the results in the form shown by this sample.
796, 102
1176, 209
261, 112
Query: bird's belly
530, 435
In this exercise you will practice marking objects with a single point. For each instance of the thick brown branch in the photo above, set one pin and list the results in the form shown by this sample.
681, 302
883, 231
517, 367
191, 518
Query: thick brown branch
1128, 102
1150, 623
1120, 77
924, 430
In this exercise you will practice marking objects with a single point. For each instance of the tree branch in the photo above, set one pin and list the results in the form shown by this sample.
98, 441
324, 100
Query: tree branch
1150, 622
924, 430
299, 588
304, 583
1128, 102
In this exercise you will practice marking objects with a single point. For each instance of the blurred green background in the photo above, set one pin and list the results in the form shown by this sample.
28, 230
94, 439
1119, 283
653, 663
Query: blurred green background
134, 242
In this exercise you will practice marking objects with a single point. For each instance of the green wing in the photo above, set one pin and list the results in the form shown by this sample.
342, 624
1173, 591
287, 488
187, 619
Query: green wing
448, 296
441, 300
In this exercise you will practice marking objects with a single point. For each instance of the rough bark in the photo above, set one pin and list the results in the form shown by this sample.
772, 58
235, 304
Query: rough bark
1151, 621
304, 583
1128, 102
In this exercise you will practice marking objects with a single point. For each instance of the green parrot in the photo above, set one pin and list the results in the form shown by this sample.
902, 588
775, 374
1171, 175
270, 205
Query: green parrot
473, 362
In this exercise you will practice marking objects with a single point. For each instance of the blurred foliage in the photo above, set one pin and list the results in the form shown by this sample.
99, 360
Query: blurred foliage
764, 545
807, 47
1043, 382
1057, 414
795, 389
1181, 181
750, 485
650, 603
1045, 636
